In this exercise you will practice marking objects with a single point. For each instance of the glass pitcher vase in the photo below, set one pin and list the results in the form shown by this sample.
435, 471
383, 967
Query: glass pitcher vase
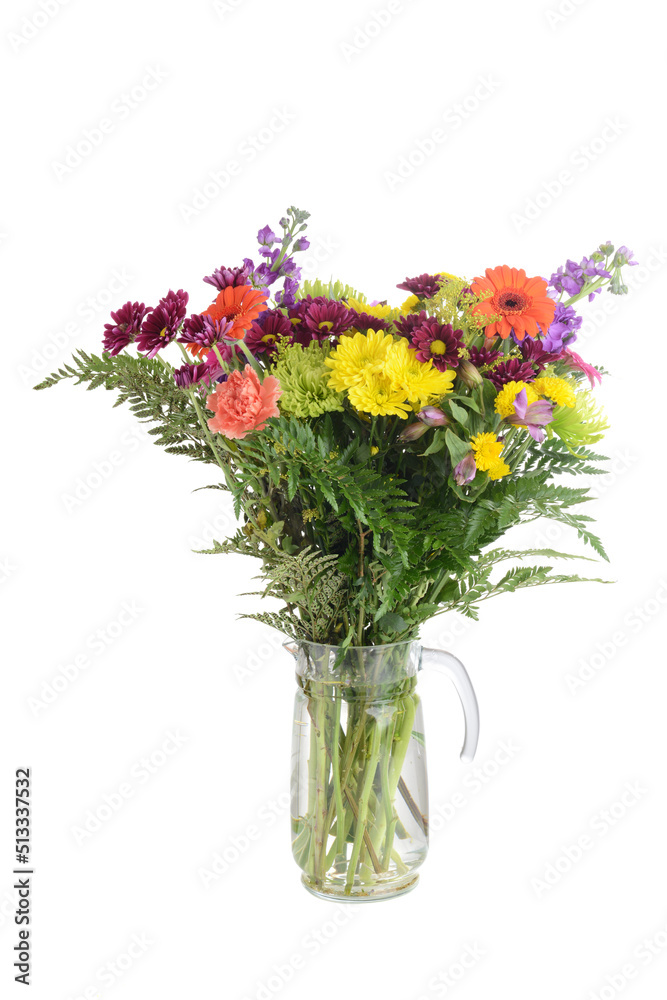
359, 798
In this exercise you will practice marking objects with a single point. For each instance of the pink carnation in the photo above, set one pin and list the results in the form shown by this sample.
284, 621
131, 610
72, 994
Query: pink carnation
243, 403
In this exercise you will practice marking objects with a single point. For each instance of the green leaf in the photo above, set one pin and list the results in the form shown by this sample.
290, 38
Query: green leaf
437, 444
458, 449
459, 413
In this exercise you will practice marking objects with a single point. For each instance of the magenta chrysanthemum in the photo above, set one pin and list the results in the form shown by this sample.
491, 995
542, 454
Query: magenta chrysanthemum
161, 325
189, 375
224, 277
439, 343
364, 321
266, 332
126, 324
480, 356
204, 332
424, 285
510, 371
406, 325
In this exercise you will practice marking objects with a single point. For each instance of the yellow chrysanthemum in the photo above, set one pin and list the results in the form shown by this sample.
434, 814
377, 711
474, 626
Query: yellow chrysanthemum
419, 381
358, 357
505, 398
487, 449
558, 390
381, 311
498, 470
411, 304
378, 396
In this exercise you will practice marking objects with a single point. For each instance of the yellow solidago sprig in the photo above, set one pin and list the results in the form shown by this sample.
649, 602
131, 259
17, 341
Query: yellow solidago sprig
487, 450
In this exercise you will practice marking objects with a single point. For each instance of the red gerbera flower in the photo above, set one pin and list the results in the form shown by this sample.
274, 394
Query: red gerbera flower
240, 305
523, 303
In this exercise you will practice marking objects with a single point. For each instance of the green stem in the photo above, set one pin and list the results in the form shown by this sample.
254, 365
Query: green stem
369, 775
335, 767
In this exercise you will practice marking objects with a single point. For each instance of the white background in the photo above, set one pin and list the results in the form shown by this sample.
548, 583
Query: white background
520, 96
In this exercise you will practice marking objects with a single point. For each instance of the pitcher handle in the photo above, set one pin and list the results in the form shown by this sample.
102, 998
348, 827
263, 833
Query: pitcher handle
450, 666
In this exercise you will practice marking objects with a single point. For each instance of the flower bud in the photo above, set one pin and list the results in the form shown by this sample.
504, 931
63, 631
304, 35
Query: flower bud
412, 432
432, 416
466, 470
468, 374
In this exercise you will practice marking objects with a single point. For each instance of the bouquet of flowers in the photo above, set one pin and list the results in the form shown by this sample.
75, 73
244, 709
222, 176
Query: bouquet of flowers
375, 453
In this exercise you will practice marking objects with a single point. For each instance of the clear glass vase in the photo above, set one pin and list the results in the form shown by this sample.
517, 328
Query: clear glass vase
359, 782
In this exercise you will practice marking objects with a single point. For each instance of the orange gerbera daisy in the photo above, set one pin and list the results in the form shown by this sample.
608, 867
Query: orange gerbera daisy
522, 302
240, 305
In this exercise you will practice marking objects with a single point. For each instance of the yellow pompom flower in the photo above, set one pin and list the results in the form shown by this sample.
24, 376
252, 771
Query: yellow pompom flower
378, 396
411, 304
380, 312
486, 449
419, 381
558, 390
358, 357
505, 399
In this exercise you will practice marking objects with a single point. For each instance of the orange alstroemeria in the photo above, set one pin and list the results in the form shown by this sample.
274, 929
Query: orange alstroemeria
521, 302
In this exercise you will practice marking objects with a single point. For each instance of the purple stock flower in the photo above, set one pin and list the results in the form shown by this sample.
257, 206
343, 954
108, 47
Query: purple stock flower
126, 323
572, 277
624, 256
161, 324
563, 329
466, 470
301, 244
512, 370
287, 297
532, 416
224, 277
424, 285
266, 237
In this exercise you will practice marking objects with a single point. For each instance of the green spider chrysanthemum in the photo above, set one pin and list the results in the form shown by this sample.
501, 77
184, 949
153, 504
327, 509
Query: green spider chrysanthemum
303, 377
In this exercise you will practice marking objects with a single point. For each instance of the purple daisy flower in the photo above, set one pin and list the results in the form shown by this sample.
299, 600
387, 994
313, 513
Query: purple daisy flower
266, 333
439, 343
189, 375
319, 319
424, 285
126, 324
161, 324
224, 277
364, 321
406, 325
204, 331
533, 350
511, 371
481, 356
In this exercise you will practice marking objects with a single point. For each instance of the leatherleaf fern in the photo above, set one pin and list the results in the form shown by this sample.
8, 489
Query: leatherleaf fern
374, 486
